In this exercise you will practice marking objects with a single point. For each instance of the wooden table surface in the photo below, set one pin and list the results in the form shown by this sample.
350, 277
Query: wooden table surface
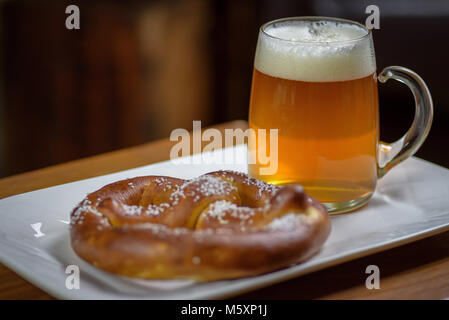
419, 270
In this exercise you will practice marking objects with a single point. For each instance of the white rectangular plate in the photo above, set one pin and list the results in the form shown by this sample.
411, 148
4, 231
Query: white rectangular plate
410, 203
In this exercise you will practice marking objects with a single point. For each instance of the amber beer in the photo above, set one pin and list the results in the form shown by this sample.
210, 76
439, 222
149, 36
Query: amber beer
316, 83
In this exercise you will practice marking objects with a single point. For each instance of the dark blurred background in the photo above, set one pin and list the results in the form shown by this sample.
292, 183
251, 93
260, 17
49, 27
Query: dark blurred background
138, 69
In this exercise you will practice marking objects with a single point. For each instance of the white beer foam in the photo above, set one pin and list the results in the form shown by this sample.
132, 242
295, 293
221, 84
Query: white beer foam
313, 51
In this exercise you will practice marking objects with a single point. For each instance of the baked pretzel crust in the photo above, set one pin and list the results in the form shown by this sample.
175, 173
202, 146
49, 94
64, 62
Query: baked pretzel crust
221, 225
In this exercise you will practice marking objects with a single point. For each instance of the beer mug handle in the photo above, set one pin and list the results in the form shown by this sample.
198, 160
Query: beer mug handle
396, 152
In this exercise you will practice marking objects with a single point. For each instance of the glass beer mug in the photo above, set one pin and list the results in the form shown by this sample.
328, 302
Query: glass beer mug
315, 81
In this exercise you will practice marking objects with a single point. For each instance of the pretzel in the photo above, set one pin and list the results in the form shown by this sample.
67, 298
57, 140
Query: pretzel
221, 225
